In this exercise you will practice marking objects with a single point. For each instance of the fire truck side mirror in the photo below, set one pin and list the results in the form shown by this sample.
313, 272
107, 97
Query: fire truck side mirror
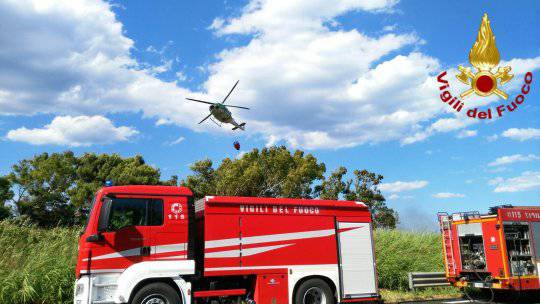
104, 214
94, 238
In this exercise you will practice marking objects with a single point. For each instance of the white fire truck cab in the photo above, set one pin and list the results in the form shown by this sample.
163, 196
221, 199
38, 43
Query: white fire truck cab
155, 245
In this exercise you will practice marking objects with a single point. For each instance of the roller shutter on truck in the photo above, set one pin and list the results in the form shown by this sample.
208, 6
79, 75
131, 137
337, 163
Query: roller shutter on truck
357, 264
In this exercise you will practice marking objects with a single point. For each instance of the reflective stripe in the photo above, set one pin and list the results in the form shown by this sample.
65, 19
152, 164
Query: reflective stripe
169, 248
245, 251
137, 251
119, 254
269, 238
103, 271
319, 267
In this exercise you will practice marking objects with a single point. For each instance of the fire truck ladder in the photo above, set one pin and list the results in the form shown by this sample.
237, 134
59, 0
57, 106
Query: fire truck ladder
444, 222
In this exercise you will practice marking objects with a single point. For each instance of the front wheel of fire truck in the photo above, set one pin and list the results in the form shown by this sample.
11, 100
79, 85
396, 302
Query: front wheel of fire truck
156, 293
314, 291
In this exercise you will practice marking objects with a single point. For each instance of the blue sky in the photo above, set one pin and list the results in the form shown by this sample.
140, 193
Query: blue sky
352, 82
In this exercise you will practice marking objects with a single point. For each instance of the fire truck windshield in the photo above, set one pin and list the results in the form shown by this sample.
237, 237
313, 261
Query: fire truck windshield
89, 213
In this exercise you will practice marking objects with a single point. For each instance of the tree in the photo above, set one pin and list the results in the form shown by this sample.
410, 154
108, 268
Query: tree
202, 182
333, 186
6, 194
43, 184
57, 189
270, 172
276, 172
94, 170
365, 190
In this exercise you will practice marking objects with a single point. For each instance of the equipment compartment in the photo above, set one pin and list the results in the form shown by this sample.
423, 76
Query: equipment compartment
518, 246
471, 247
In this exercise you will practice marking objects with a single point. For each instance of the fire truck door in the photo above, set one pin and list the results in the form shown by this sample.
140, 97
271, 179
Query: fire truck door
357, 264
170, 228
125, 240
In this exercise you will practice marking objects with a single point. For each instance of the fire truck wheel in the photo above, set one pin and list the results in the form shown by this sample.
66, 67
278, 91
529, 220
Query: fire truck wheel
314, 291
156, 293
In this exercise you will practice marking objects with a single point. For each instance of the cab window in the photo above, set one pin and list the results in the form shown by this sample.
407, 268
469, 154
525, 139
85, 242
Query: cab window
127, 212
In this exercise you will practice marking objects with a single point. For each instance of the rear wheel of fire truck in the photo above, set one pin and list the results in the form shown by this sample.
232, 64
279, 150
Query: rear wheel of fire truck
156, 293
314, 291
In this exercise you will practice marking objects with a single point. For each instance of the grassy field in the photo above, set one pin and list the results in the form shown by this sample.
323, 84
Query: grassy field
37, 265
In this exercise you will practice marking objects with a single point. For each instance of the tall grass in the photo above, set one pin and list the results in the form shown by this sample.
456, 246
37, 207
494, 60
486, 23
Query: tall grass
37, 265
400, 252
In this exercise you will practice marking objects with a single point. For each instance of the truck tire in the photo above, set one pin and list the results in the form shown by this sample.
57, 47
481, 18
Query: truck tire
314, 291
157, 293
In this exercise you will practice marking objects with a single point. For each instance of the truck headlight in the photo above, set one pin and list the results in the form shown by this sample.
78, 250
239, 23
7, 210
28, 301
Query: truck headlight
79, 289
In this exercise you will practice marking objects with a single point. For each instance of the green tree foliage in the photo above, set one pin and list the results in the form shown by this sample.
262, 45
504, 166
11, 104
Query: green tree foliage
364, 189
270, 172
333, 186
43, 183
56, 189
6, 194
92, 171
203, 181
276, 172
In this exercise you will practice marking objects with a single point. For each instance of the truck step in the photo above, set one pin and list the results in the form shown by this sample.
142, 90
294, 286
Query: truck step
219, 293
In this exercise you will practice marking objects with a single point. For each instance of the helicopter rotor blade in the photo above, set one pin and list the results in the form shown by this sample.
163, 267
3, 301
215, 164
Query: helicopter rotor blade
202, 101
205, 118
231, 106
234, 86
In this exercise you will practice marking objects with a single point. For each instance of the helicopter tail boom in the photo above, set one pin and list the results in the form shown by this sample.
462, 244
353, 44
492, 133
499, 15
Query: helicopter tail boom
240, 126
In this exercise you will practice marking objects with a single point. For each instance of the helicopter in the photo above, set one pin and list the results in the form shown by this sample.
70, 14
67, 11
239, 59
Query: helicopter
221, 113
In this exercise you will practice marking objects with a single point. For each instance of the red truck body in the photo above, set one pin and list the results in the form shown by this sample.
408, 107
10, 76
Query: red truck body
227, 248
499, 250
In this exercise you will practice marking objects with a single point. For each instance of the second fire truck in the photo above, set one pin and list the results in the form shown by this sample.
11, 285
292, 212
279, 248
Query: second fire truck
499, 250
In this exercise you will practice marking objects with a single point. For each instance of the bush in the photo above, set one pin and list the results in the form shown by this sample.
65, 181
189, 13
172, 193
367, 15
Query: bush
400, 252
37, 265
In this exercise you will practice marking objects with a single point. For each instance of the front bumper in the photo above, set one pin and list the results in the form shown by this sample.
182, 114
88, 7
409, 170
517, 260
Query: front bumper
96, 289
478, 284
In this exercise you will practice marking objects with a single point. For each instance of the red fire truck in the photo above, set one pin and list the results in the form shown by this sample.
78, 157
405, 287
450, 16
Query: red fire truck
155, 245
499, 250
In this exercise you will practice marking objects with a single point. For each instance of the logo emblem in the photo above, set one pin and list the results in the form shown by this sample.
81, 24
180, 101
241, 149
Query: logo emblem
484, 56
176, 208
486, 80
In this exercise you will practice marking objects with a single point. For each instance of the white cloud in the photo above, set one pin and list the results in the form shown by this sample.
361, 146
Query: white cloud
442, 125
467, 133
74, 131
389, 28
278, 18
72, 58
522, 134
176, 141
401, 186
309, 83
492, 138
497, 170
508, 159
528, 180
294, 59
241, 154
444, 195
